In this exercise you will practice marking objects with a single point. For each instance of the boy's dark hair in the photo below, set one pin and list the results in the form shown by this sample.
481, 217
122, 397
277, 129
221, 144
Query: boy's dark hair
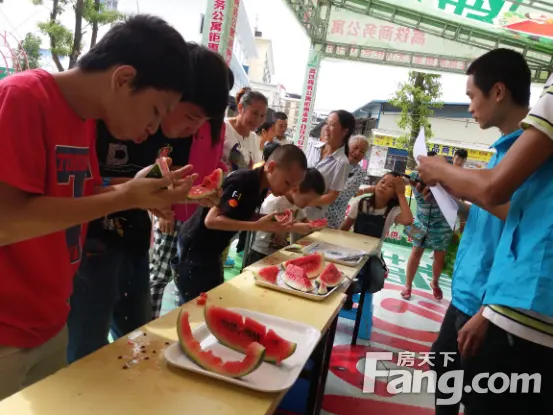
461, 153
246, 96
279, 115
268, 150
313, 182
287, 155
151, 46
267, 125
213, 80
431, 154
504, 66
347, 121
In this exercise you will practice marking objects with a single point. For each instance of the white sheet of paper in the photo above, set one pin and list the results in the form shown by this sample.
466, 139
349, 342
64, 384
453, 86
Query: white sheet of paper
446, 203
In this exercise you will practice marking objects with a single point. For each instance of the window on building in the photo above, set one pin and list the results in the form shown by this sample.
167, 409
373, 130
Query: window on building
111, 4
396, 160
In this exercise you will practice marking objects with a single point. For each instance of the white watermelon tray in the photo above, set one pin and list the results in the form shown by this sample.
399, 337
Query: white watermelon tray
337, 254
281, 286
267, 377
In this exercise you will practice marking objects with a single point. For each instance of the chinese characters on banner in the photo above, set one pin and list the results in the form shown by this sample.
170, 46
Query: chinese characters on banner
232, 31
307, 106
215, 32
442, 150
379, 40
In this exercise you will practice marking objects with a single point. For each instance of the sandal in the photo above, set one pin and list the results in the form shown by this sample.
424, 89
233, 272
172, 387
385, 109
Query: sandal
437, 292
406, 294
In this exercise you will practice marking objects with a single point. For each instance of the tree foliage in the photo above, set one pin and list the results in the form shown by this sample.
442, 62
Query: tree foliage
417, 98
31, 46
90, 15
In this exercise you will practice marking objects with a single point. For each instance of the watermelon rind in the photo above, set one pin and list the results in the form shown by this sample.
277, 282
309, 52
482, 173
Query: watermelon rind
331, 276
322, 290
287, 348
255, 353
312, 264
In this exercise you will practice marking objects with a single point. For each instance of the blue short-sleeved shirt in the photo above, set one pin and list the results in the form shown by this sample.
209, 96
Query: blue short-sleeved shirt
478, 245
522, 273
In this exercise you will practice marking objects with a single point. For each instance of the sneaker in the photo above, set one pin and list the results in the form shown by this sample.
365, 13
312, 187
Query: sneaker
229, 263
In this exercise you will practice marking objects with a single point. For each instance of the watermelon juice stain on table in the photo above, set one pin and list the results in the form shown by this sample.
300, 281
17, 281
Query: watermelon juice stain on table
99, 384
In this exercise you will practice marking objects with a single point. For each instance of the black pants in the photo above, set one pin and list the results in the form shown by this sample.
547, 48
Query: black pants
499, 353
253, 257
504, 353
241, 241
195, 275
446, 342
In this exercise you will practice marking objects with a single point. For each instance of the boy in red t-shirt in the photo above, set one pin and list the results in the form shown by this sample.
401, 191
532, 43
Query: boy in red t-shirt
49, 177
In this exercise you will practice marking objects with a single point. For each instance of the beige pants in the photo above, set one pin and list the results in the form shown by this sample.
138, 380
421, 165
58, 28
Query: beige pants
20, 368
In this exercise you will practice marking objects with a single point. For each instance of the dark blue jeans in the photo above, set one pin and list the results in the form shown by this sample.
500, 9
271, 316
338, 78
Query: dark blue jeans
111, 291
196, 274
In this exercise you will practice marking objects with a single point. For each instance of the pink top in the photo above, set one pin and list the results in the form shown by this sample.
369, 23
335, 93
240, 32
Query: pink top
205, 158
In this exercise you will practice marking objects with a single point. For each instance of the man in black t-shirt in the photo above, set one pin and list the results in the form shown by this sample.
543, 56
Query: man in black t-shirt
204, 237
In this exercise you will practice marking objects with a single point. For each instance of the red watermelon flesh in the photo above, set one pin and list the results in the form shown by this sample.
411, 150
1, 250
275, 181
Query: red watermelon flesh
163, 164
208, 361
285, 216
331, 276
238, 333
296, 277
268, 274
209, 186
319, 223
312, 264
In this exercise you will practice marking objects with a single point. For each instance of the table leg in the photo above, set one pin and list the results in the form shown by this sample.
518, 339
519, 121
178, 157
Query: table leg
321, 360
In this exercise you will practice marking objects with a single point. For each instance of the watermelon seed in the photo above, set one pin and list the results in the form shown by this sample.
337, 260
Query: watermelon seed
143, 351
144, 334
154, 352
220, 298
125, 367
120, 357
146, 358
167, 343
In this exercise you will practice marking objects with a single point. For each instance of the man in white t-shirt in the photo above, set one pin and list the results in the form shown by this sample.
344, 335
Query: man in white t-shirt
281, 126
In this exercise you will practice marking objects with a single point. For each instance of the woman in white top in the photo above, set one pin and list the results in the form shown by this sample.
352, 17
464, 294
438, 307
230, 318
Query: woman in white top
241, 148
330, 156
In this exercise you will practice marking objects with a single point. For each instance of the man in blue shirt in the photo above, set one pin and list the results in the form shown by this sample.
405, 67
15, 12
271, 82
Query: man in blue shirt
498, 86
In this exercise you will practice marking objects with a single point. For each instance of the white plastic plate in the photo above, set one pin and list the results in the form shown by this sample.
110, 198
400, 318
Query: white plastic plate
282, 287
334, 253
267, 377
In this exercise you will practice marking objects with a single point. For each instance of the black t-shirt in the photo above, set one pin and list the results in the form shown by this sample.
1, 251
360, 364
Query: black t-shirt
242, 196
131, 229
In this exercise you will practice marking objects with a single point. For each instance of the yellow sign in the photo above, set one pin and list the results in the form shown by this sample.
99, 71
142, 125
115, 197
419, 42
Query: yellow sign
447, 151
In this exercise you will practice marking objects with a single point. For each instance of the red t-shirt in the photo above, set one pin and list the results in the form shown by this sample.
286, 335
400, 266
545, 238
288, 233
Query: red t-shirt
45, 149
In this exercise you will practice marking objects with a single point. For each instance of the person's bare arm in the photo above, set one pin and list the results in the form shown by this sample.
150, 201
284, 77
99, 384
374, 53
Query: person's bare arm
326, 199
25, 216
493, 187
406, 216
216, 220
347, 224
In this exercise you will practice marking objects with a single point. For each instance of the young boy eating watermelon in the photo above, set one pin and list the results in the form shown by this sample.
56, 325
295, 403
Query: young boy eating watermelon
48, 171
204, 237
295, 200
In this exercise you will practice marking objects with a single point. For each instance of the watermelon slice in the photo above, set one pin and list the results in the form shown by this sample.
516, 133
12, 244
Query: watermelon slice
208, 361
268, 274
209, 186
331, 276
312, 264
296, 277
322, 289
283, 217
238, 333
319, 223
160, 169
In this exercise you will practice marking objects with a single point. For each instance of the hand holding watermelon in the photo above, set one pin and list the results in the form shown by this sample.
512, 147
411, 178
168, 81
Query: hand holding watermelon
268, 223
319, 224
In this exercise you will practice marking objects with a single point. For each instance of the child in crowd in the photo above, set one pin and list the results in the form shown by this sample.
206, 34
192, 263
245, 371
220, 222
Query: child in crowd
266, 243
204, 237
50, 185
373, 215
